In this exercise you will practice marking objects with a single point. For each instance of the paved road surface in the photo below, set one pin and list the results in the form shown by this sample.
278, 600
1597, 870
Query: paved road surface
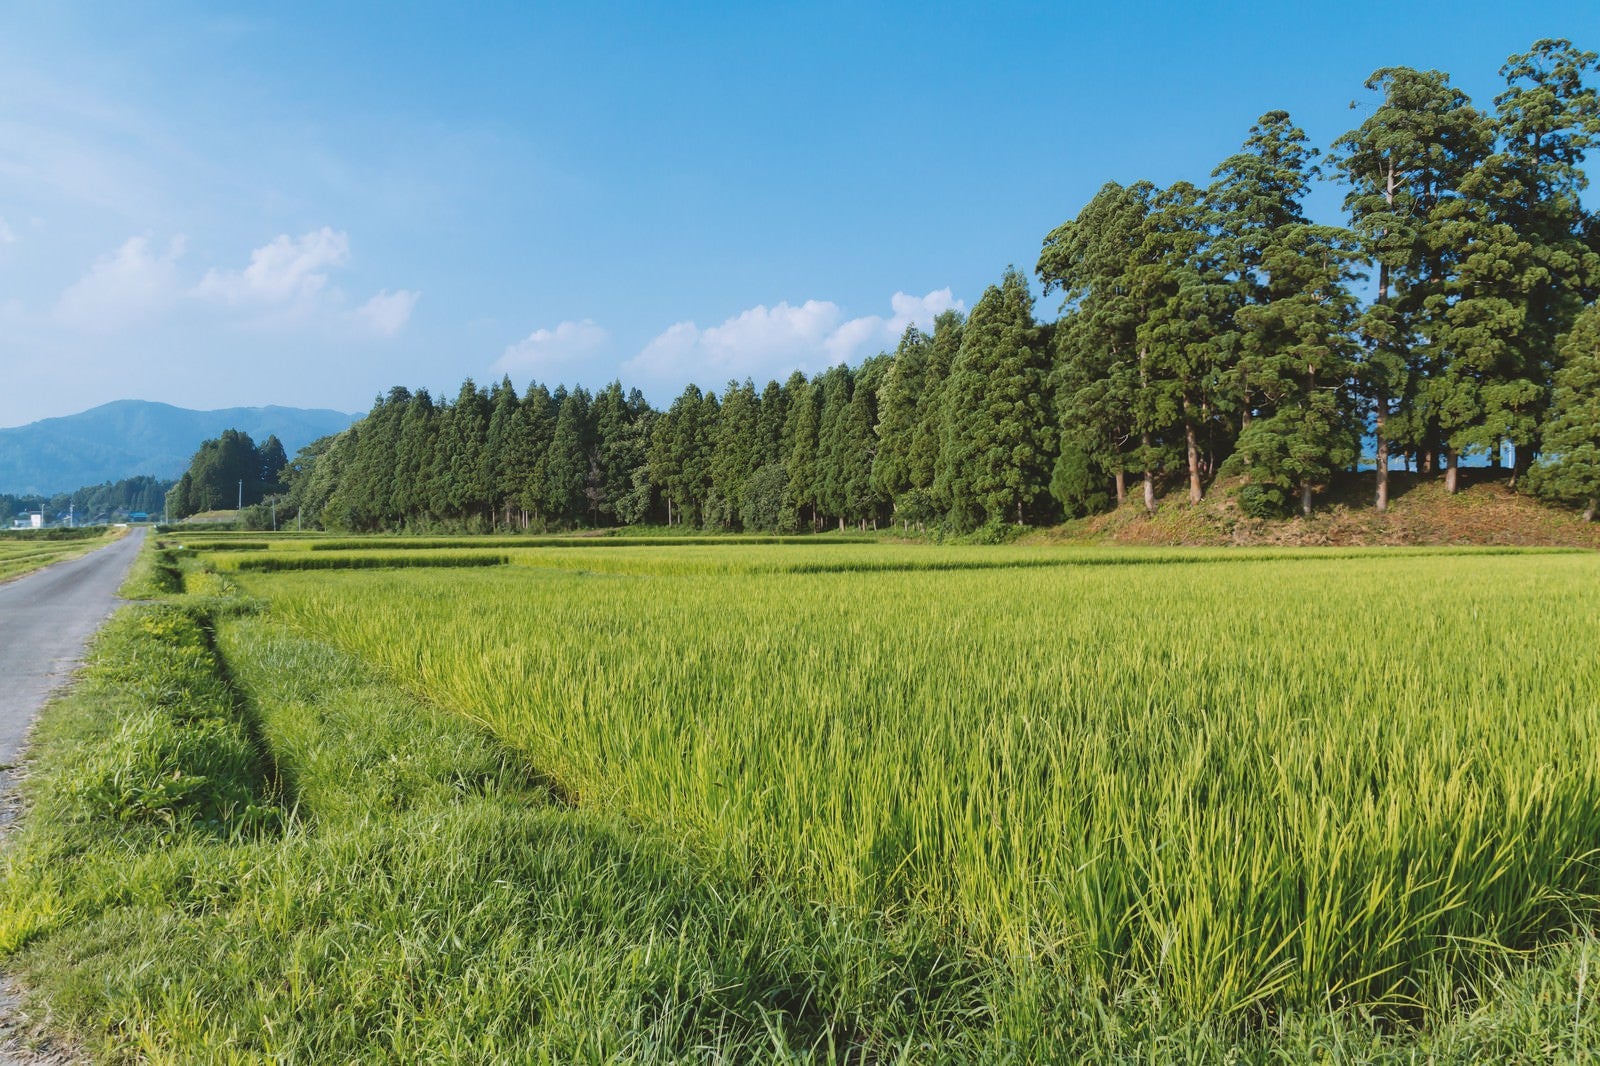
46, 620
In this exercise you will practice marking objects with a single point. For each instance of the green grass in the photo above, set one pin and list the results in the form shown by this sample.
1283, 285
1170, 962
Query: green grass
754, 815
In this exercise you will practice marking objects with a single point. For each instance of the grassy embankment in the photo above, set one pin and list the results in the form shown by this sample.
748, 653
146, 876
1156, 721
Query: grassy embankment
1485, 512
23, 551
671, 868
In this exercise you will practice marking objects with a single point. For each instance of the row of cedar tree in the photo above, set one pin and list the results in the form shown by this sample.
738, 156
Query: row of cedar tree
1205, 331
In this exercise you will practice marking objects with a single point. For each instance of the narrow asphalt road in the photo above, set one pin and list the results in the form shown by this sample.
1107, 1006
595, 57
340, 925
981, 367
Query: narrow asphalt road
46, 620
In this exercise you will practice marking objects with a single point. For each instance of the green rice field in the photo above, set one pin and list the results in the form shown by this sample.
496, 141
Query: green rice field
25, 551
1258, 782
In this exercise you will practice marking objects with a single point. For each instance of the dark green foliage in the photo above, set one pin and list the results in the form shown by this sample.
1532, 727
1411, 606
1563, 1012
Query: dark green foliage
1300, 422
621, 427
463, 468
898, 398
801, 440
112, 501
765, 507
1572, 437
833, 444
1405, 166
1182, 338
995, 411
1525, 263
680, 454
225, 473
573, 459
1096, 371
1077, 482
737, 450
503, 426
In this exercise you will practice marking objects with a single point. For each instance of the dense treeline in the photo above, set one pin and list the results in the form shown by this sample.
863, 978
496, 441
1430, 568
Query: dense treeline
92, 503
227, 472
1205, 331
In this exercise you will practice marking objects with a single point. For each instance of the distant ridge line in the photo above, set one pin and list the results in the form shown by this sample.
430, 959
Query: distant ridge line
130, 438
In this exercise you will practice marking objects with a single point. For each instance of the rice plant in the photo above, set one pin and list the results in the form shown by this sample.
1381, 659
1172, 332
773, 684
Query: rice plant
1251, 785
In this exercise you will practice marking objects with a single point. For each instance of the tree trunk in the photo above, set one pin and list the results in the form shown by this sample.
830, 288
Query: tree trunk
1383, 455
1305, 499
1594, 505
1521, 462
1122, 487
1452, 477
1193, 448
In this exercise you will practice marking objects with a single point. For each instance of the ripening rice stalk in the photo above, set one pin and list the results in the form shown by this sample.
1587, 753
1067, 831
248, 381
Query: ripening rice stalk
1255, 780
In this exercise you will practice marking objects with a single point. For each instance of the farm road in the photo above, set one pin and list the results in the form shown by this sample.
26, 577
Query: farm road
46, 620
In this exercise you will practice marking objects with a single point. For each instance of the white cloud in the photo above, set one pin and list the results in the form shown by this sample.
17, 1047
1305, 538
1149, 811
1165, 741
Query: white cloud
128, 285
387, 313
281, 272
859, 335
6, 236
770, 342
552, 352
761, 342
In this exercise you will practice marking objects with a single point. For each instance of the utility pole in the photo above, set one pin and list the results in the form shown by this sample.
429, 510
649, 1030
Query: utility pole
241, 494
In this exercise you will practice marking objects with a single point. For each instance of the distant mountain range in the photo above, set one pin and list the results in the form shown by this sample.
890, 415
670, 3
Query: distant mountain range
127, 438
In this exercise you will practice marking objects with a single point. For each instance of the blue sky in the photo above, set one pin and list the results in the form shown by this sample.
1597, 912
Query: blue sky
305, 204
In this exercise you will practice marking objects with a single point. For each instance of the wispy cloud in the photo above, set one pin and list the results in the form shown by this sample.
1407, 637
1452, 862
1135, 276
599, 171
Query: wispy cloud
286, 285
387, 313
553, 354
129, 285
283, 271
770, 342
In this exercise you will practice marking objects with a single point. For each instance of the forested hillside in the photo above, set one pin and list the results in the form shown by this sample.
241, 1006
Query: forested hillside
92, 503
1206, 331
